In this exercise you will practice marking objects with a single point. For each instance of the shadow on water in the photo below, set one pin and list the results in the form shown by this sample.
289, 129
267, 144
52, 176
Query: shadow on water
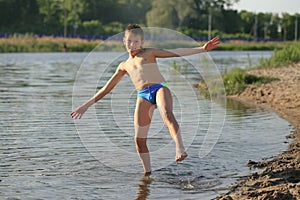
182, 182
144, 188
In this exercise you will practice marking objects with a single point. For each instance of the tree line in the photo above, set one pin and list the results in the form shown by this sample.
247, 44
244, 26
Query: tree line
196, 18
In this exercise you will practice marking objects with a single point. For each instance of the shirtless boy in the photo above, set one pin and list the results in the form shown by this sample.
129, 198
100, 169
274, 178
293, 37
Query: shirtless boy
152, 89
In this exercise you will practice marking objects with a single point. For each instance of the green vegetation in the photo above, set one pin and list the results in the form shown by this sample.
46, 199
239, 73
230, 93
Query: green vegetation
20, 21
251, 46
281, 57
109, 17
237, 80
234, 83
29, 43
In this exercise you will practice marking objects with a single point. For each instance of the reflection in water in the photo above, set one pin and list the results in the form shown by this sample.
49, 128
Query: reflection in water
239, 108
143, 190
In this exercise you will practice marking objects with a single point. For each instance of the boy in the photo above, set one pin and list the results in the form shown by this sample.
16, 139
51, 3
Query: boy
152, 89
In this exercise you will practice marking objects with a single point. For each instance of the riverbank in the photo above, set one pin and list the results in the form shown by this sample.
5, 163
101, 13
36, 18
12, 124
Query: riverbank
30, 43
280, 177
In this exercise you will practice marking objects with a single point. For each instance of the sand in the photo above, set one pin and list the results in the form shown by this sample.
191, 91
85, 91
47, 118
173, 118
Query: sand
279, 178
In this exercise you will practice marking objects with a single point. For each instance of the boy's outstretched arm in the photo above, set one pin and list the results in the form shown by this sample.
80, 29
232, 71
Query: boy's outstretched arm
111, 83
208, 46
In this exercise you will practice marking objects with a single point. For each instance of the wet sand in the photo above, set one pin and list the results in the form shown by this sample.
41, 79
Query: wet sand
279, 178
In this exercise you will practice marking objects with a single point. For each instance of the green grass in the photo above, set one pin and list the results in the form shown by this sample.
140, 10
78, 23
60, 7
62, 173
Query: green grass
282, 57
237, 80
251, 46
30, 43
234, 82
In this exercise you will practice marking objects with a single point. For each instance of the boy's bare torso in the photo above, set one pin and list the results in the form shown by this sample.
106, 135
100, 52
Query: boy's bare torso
143, 69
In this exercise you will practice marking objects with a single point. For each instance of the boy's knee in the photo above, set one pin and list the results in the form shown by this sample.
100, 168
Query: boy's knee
141, 132
141, 144
168, 117
140, 141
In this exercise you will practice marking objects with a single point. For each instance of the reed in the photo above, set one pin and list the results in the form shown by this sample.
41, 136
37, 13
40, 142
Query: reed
237, 45
237, 80
31, 43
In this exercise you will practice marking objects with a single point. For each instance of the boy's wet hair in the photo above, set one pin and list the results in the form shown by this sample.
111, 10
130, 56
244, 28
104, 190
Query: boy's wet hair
135, 29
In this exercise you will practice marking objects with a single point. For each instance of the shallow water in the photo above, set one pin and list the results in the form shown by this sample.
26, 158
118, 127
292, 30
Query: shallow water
46, 155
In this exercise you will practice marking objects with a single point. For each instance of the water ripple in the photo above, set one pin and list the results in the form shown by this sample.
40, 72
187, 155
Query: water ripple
43, 156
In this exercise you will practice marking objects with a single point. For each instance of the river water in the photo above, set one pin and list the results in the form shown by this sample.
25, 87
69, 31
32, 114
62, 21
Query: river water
47, 155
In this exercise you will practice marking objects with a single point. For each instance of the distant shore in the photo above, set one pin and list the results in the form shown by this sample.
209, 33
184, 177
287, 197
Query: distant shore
280, 177
28, 44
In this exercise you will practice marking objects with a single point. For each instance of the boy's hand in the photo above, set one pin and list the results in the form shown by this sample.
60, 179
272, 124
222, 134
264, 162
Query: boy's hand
78, 112
211, 44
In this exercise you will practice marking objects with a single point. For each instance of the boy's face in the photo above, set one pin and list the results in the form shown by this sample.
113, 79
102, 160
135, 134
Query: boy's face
132, 42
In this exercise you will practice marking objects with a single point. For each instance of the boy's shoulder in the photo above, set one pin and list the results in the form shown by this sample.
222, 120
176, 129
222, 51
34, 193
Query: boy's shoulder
153, 50
122, 66
149, 51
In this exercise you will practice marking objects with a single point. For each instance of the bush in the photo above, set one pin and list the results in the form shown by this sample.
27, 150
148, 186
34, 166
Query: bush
93, 27
114, 28
236, 81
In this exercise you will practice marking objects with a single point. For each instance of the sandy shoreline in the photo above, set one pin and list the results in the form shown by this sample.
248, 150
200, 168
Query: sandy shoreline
280, 177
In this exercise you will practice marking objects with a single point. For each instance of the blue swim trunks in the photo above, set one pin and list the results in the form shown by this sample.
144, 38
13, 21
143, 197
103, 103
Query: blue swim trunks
149, 92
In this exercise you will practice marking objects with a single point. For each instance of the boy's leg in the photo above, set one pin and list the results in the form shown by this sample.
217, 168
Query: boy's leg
142, 119
165, 106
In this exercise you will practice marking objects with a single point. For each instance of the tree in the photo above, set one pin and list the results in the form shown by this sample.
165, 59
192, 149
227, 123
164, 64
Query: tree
231, 21
188, 13
51, 12
248, 20
107, 17
162, 14
273, 26
19, 16
297, 26
264, 25
133, 11
104, 11
288, 24
59, 15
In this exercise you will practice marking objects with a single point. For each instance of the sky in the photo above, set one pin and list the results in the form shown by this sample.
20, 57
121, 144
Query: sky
273, 6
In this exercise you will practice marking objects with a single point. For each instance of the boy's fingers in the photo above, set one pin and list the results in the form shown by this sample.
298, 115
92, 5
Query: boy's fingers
215, 39
74, 115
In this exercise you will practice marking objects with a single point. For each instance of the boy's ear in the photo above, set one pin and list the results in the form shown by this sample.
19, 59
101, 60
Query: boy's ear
143, 42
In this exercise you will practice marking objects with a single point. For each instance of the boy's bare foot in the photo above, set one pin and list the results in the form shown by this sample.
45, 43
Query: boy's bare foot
181, 157
147, 173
